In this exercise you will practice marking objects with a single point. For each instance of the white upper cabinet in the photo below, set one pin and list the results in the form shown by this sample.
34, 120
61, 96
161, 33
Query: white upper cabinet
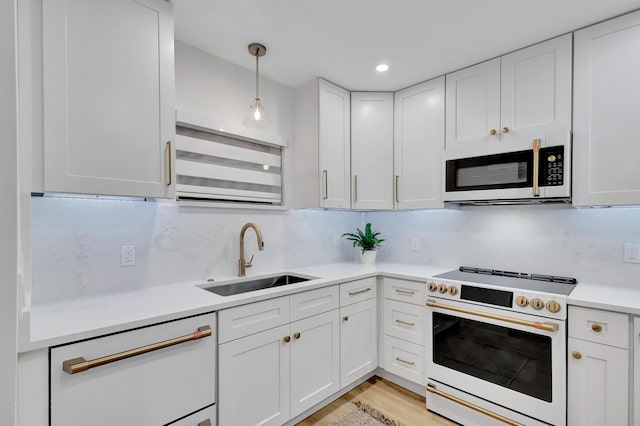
503, 104
108, 97
372, 150
418, 145
334, 136
606, 121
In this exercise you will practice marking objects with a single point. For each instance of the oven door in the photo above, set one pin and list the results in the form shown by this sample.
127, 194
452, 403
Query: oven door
511, 359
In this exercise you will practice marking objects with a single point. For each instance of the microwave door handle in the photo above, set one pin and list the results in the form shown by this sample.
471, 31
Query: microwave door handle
536, 167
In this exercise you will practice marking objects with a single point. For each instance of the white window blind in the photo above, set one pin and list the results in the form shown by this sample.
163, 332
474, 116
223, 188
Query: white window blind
223, 167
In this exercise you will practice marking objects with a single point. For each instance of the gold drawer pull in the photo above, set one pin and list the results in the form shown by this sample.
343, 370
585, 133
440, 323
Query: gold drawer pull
405, 361
399, 290
77, 365
411, 324
326, 184
576, 355
287, 339
296, 335
205, 423
346, 318
353, 293
597, 328
169, 165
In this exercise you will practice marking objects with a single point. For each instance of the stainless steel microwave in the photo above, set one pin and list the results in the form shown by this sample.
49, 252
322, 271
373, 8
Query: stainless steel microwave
539, 173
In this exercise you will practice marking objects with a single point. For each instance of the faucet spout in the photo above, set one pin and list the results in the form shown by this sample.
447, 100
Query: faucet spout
242, 263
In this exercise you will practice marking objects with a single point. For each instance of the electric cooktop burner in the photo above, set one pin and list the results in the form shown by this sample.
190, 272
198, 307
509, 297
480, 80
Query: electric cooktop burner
516, 280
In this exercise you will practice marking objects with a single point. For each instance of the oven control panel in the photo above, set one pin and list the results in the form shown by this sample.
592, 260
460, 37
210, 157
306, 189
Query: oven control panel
540, 304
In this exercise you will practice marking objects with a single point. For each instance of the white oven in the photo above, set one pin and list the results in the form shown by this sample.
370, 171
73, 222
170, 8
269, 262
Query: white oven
498, 355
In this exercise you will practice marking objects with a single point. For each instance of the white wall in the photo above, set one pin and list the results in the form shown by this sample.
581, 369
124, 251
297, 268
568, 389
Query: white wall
9, 222
558, 240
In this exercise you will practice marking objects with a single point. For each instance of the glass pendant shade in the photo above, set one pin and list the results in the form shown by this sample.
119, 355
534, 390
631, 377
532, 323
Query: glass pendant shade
257, 117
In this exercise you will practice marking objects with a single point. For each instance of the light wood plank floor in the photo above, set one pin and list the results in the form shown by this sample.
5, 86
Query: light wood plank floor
388, 398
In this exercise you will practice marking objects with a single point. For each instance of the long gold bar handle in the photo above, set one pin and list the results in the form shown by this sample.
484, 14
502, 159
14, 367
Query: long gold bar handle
399, 290
411, 324
325, 176
353, 293
355, 187
496, 416
169, 165
397, 196
405, 361
546, 326
536, 165
77, 365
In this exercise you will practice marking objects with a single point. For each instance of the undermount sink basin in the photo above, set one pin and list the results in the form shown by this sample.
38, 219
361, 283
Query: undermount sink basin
257, 284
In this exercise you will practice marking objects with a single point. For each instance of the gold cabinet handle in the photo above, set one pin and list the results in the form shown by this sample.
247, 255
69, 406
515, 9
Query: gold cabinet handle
546, 326
355, 187
431, 388
77, 365
597, 328
505, 130
536, 165
353, 293
326, 184
410, 324
492, 132
346, 318
399, 290
205, 423
169, 165
576, 355
287, 339
405, 361
397, 196
296, 335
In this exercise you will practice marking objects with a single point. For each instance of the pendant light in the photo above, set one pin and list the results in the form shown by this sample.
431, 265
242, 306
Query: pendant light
257, 117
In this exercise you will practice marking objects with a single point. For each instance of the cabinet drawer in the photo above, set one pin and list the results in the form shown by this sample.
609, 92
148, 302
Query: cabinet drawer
252, 318
357, 291
206, 417
405, 291
309, 303
404, 359
152, 388
597, 326
405, 321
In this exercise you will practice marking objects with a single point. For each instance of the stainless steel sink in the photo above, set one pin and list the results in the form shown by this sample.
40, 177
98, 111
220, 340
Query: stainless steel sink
257, 284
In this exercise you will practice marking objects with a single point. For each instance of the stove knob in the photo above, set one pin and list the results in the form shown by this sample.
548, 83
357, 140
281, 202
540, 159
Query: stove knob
432, 287
442, 288
553, 306
537, 304
453, 290
522, 301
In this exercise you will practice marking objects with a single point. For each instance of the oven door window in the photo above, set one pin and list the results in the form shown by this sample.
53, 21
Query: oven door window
514, 359
508, 170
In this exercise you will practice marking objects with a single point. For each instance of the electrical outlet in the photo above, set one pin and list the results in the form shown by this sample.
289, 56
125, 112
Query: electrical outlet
415, 244
127, 255
632, 253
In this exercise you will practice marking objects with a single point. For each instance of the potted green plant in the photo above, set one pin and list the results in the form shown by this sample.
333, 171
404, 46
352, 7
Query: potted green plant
368, 241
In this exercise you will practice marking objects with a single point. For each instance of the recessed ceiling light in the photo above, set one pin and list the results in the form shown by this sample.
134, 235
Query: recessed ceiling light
382, 67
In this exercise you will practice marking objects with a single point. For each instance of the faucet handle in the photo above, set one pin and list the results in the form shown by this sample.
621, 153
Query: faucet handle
248, 264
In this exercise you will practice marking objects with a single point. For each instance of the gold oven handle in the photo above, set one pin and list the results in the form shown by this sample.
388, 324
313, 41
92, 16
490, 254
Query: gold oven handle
536, 167
78, 365
546, 326
431, 388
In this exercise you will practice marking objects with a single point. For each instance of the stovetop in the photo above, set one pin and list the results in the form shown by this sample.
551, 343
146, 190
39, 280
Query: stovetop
513, 280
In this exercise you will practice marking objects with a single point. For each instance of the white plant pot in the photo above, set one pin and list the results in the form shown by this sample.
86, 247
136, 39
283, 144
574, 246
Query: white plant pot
368, 257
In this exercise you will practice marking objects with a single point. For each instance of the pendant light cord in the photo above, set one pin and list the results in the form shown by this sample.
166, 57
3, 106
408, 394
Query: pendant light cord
257, 74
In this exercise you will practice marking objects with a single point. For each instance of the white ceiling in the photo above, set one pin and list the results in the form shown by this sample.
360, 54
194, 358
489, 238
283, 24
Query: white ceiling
343, 40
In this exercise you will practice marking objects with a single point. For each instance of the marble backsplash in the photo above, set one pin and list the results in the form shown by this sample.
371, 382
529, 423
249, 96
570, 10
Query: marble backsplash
76, 243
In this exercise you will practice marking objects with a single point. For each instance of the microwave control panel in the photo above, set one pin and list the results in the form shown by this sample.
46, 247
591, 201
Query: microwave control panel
552, 166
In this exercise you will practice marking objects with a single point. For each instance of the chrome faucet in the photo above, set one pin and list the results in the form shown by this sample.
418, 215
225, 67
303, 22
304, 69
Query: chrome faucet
242, 264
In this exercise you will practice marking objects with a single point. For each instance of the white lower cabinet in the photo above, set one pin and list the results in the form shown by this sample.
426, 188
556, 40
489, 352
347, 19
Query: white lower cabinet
358, 340
155, 387
598, 373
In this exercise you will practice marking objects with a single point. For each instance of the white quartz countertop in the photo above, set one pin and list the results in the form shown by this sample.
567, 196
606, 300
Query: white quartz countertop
83, 318
87, 317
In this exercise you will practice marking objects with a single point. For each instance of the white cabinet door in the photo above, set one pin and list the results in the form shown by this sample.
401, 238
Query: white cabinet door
358, 341
473, 109
253, 384
315, 360
334, 139
598, 384
108, 97
418, 144
636, 367
372, 150
606, 102
535, 94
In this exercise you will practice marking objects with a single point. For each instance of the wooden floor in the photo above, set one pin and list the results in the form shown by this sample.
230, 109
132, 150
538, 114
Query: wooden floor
391, 400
